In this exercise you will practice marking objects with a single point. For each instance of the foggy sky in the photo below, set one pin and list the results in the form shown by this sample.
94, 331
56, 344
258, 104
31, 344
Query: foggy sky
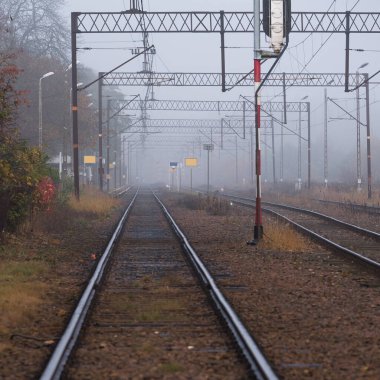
201, 53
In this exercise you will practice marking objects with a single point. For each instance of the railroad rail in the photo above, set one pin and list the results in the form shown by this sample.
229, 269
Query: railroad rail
146, 235
354, 241
373, 210
120, 191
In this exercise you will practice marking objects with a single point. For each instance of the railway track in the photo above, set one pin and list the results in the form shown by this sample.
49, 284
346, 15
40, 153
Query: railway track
356, 242
353, 207
148, 316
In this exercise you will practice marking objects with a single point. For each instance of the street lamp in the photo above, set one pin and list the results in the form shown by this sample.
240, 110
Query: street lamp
40, 108
66, 131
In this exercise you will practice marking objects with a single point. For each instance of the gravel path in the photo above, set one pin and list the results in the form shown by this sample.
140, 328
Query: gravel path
314, 313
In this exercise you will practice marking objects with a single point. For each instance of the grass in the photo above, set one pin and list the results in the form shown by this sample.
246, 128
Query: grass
21, 292
213, 205
280, 236
63, 216
93, 201
159, 303
171, 367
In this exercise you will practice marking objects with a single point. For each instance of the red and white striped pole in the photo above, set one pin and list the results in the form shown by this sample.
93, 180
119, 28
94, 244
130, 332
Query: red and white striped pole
258, 228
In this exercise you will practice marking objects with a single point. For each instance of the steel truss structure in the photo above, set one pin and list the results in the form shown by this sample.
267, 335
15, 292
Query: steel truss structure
188, 125
213, 22
231, 79
135, 21
205, 105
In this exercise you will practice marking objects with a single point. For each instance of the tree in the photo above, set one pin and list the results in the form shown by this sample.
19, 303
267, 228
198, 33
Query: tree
21, 167
34, 26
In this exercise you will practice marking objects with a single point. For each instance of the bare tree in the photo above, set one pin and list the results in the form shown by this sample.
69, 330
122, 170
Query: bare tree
35, 27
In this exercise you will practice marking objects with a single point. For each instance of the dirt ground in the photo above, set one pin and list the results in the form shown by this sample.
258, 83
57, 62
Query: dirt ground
315, 314
41, 278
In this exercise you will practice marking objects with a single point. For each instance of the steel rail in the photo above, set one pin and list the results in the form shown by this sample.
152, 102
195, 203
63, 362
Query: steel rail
256, 359
63, 349
250, 203
353, 227
120, 191
353, 206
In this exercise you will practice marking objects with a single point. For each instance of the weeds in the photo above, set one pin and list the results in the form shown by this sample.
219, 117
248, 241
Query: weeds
93, 203
213, 205
171, 367
20, 292
280, 236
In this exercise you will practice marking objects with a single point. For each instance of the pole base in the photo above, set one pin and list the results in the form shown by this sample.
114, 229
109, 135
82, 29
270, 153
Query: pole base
258, 233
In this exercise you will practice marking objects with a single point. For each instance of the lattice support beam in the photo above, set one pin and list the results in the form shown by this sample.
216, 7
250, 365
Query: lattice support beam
120, 79
211, 22
205, 105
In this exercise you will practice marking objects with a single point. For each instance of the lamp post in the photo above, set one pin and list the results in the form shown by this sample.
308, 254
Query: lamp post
40, 108
66, 131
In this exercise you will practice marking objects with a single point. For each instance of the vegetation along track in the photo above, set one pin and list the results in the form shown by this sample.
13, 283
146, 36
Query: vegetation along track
357, 242
149, 316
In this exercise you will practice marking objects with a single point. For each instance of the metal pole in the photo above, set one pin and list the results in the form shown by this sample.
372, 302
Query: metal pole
236, 162
74, 105
369, 164
244, 119
282, 155
115, 168
308, 146
273, 154
129, 164
191, 179
180, 178
251, 154
284, 91
120, 163
299, 149
347, 62
223, 51
40, 115
108, 146
208, 171
358, 137
265, 153
258, 228
326, 166
123, 162
100, 165
221, 133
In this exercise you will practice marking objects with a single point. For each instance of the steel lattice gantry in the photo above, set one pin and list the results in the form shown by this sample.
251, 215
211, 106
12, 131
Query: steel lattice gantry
206, 105
232, 79
213, 22
134, 21
193, 126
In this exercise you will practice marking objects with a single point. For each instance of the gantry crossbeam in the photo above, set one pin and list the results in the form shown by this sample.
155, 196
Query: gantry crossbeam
170, 125
210, 22
206, 105
215, 79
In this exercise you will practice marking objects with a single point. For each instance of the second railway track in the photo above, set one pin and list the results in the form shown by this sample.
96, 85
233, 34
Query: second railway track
357, 242
152, 319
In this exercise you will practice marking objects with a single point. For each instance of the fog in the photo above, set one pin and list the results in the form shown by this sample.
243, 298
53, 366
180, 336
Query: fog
316, 53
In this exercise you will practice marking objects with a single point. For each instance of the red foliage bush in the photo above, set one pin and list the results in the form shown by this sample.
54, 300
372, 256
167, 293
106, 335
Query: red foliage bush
45, 193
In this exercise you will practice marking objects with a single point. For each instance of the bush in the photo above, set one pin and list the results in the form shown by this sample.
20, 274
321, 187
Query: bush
23, 181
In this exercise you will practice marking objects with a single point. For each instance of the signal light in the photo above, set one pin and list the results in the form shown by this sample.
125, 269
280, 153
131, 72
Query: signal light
277, 21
